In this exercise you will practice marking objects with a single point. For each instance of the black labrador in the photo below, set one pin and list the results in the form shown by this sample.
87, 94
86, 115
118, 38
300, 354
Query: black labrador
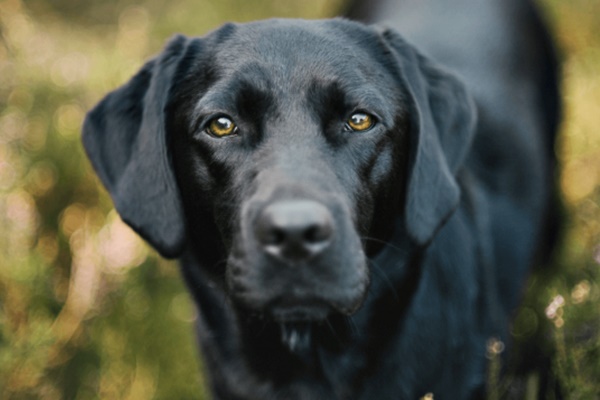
355, 207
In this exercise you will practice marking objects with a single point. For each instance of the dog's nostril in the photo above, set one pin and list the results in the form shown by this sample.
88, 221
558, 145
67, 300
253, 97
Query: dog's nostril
294, 230
273, 237
317, 233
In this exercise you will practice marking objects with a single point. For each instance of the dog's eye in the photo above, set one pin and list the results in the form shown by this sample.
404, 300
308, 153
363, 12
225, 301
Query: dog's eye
360, 121
221, 126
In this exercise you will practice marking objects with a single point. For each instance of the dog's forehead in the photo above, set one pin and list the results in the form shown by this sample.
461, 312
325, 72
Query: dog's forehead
296, 49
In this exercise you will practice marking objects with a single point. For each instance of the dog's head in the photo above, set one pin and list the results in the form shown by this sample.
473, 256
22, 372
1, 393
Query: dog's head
288, 148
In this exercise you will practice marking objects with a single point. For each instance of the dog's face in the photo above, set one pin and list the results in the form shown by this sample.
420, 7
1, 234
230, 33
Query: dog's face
282, 154
291, 138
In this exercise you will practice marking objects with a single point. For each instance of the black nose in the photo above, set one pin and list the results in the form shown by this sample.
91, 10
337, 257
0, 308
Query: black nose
294, 230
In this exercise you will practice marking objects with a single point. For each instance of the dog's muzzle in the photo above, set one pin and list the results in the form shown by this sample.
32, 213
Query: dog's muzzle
298, 261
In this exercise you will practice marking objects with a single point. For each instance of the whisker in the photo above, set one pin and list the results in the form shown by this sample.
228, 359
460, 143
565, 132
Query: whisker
220, 262
385, 278
352, 325
332, 329
386, 243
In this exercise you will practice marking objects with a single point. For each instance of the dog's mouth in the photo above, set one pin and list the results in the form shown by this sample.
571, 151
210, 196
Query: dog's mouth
304, 333
296, 336
297, 320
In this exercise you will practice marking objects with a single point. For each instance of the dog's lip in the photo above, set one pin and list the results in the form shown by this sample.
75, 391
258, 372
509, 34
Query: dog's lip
300, 310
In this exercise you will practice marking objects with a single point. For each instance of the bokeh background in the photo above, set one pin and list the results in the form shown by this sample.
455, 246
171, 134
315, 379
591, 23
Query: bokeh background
88, 311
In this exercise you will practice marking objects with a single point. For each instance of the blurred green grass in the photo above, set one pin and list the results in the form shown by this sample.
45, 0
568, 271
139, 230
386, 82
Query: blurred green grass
88, 311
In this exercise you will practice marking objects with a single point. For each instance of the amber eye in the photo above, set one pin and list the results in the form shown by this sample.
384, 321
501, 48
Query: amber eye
221, 126
360, 121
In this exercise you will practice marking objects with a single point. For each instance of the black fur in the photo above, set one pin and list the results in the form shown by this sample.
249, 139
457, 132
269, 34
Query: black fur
329, 263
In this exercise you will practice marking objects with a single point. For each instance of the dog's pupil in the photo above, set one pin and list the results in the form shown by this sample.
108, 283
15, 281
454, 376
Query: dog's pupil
224, 124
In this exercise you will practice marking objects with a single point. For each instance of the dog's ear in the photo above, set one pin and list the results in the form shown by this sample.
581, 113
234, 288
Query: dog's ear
125, 139
442, 125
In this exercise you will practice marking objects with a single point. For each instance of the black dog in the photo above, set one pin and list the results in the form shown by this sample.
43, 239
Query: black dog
353, 218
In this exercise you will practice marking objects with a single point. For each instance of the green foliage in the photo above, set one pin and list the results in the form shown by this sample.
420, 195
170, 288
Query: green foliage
88, 311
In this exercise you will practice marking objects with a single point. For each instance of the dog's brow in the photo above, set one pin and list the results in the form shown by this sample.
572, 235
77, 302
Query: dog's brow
337, 98
252, 101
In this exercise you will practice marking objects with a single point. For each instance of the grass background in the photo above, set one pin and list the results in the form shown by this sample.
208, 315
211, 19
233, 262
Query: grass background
87, 311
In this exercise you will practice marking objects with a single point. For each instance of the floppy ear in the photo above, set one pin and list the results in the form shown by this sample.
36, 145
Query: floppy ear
442, 125
125, 139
